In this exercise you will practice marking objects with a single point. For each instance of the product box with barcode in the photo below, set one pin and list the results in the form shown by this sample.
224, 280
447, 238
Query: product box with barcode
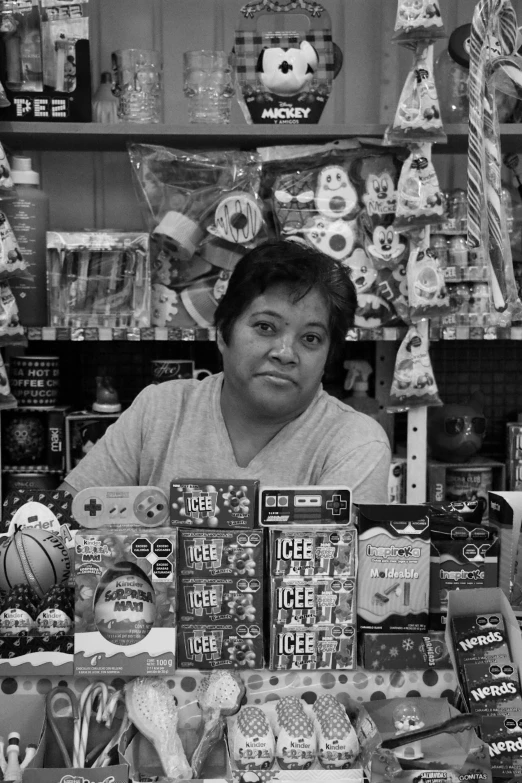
214, 503
125, 602
312, 601
321, 647
221, 553
220, 646
220, 600
313, 552
403, 651
394, 568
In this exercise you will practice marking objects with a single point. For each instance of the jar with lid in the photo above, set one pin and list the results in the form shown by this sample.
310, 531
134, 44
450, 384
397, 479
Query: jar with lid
451, 76
439, 245
458, 251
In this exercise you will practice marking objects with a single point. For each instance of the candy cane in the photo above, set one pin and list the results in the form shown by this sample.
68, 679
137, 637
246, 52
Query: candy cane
492, 18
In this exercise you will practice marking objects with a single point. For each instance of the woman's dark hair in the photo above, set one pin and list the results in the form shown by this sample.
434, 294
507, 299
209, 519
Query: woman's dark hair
302, 269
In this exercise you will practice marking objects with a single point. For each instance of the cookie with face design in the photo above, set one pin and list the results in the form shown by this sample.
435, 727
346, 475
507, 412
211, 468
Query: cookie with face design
336, 238
293, 200
335, 196
380, 197
386, 246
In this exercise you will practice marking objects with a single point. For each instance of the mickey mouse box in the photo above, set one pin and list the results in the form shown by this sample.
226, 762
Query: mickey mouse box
285, 76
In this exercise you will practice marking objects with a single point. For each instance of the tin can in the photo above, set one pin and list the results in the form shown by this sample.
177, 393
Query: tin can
469, 483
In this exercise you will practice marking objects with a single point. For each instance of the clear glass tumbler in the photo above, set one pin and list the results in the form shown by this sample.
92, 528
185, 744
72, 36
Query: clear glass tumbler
209, 85
137, 78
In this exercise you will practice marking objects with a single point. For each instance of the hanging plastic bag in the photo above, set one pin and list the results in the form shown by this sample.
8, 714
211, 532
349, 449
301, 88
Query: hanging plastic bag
392, 286
420, 200
418, 115
7, 187
373, 311
12, 262
413, 384
428, 296
418, 20
11, 330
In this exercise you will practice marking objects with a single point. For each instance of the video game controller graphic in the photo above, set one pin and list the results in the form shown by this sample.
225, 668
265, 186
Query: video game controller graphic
99, 506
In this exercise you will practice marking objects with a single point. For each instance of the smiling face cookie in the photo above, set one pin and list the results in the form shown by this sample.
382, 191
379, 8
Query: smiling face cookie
335, 238
386, 245
335, 196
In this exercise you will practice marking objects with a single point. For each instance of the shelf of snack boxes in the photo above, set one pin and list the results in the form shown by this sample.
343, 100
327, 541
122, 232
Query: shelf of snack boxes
102, 137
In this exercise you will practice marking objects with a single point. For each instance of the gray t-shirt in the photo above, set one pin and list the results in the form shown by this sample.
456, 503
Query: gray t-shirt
176, 430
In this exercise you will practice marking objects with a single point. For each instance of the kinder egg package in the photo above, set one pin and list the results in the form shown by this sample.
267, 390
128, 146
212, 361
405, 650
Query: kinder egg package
204, 213
125, 601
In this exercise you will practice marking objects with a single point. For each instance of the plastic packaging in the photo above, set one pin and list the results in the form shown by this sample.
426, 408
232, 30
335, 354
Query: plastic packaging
28, 214
413, 383
418, 114
356, 381
418, 20
420, 199
427, 293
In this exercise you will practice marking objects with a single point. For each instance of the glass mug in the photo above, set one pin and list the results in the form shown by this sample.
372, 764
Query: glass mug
175, 370
137, 84
208, 83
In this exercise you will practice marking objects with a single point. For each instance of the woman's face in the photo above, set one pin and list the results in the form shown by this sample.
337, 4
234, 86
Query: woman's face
276, 354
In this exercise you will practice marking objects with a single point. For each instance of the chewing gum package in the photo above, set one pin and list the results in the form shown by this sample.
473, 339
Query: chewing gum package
492, 688
480, 637
504, 738
220, 646
313, 601
210, 553
322, 647
215, 599
393, 568
305, 552
213, 503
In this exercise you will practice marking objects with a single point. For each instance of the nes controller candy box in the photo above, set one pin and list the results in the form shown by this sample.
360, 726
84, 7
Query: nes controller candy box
318, 506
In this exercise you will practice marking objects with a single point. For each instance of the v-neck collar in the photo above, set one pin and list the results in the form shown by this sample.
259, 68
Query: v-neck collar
224, 438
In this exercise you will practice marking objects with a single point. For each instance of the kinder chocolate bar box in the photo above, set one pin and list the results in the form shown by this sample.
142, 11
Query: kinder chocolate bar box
214, 503
319, 506
209, 553
393, 568
216, 599
504, 738
220, 646
313, 601
306, 552
322, 647
493, 688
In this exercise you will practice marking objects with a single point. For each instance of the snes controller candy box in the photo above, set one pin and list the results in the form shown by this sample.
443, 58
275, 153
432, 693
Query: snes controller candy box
117, 507
214, 503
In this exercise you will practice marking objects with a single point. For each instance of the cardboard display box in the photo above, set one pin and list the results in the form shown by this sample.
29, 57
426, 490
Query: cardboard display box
403, 651
505, 512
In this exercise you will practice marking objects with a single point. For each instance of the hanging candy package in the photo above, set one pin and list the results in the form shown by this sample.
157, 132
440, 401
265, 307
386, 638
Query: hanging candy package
418, 20
418, 114
413, 384
420, 200
333, 197
428, 296
7, 188
204, 212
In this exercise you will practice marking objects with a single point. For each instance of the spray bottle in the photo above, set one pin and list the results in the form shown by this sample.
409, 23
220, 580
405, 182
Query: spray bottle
357, 380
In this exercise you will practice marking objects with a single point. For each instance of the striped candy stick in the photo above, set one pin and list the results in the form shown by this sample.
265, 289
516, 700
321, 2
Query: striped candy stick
492, 18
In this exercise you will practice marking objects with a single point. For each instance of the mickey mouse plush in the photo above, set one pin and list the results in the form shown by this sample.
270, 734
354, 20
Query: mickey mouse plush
286, 72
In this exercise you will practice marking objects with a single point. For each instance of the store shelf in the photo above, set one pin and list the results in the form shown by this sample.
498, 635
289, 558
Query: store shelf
95, 136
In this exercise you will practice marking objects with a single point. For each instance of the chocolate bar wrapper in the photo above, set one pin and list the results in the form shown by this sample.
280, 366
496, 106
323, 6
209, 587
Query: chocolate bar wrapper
322, 647
312, 601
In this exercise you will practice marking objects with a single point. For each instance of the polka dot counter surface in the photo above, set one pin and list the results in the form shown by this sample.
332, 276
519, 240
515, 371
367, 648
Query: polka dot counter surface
264, 686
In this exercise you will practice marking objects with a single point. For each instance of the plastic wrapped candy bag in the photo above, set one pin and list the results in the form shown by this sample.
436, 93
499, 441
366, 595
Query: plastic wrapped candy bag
11, 330
204, 212
373, 309
418, 20
428, 296
413, 384
420, 200
7, 187
12, 263
418, 115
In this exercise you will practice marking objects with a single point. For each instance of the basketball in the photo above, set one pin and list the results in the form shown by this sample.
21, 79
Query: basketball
33, 557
